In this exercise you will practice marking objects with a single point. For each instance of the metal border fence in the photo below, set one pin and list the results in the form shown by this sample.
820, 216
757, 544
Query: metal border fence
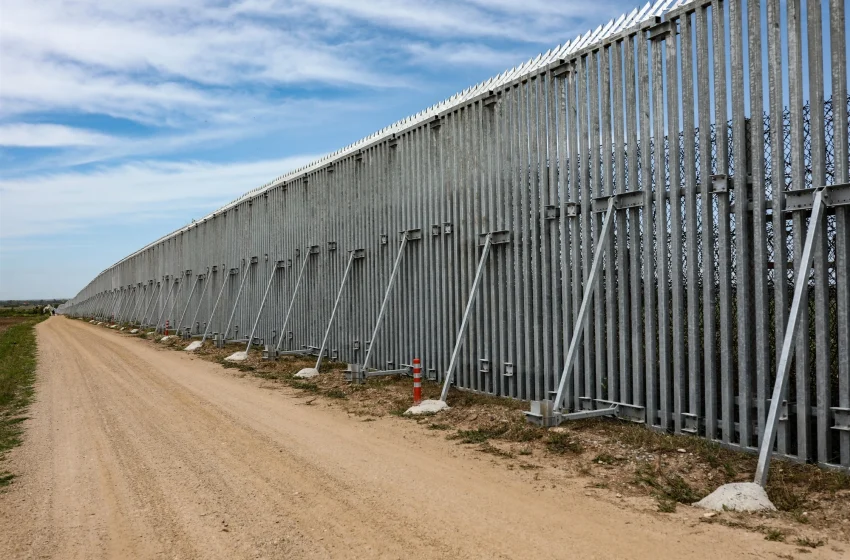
689, 137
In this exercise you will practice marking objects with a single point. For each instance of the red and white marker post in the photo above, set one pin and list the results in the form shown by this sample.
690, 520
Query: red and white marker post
417, 382
166, 327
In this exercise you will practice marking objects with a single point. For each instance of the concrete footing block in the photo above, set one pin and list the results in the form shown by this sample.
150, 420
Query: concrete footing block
307, 373
193, 346
738, 496
166, 338
237, 357
134, 331
426, 407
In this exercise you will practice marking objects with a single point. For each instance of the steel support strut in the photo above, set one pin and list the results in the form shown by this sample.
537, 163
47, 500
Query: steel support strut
230, 273
163, 313
490, 239
206, 278
179, 325
581, 320
355, 254
784, 366
236, 301
277, 265
313, 250
410, 235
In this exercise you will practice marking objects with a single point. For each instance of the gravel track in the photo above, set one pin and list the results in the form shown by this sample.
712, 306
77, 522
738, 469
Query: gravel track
138, 452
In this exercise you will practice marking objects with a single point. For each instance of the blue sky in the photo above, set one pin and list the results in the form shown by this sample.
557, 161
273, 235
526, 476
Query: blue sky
122, 121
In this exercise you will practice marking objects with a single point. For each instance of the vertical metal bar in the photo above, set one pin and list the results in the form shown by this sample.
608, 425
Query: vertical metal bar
838, 66
465, 320
677, 309
743, 229
788, 341
798, 170
690, 192
649, 312
823, 389
215, 306
756, 160
624, 383
662, 284
777, 154
727, 400
634, 184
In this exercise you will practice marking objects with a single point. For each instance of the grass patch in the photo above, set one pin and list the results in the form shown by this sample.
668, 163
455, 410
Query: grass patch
439, 427
562, 443
480, 435
666, 506
336, 394
809, 543
667, 487
17, 374
774, 535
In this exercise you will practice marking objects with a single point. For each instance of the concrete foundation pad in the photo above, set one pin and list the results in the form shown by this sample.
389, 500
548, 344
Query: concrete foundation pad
193, 346
307, 373
427, 407
134, 331
165, 338
738, 496
237, 357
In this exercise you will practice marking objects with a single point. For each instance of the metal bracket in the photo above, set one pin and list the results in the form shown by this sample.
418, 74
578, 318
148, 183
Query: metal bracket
842, 418
412, 234
573, 209
255, 260
496, 238
629, 199
691, 422
447, 228
436, 230
331, 245
833, 195
313, 250
721, 184
660, 31
509, 369
384, 239
485, 366
358, 253
552, 212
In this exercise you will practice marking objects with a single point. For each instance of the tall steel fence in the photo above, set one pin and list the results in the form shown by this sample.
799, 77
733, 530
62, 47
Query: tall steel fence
702, 129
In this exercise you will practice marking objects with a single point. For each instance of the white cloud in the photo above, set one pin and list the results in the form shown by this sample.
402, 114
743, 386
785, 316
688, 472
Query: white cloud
52, 204
49, 135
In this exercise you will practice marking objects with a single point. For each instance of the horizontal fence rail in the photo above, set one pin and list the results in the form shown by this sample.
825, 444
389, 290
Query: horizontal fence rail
702, 127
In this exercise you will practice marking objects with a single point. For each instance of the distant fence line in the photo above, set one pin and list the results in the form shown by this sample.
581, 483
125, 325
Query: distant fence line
696, 277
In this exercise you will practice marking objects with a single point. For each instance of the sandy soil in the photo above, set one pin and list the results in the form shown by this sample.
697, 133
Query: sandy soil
139, 452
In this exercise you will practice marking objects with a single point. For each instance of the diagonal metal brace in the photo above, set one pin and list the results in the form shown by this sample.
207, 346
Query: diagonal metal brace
589, 290
487, 240
783, 368
406, 236
355, 254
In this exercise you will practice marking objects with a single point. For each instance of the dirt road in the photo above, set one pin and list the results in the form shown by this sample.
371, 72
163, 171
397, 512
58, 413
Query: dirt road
137, 452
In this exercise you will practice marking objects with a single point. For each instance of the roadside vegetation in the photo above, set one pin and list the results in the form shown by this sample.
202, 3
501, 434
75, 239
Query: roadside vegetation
614, 460
17, 374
